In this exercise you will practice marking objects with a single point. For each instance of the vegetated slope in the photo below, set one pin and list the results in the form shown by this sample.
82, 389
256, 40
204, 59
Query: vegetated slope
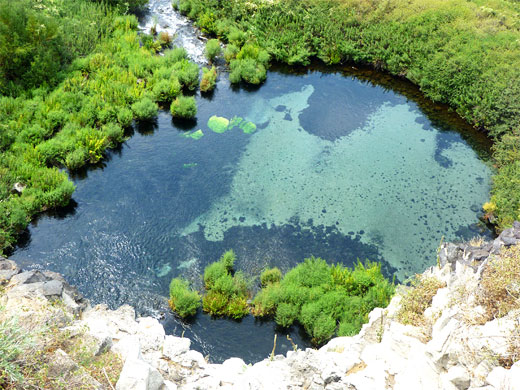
464, 53
74, 74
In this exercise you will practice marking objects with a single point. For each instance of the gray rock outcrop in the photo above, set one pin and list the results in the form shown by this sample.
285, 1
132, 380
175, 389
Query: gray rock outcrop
454, 351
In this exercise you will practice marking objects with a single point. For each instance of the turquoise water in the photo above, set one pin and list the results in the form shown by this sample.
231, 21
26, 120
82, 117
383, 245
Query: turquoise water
322, 164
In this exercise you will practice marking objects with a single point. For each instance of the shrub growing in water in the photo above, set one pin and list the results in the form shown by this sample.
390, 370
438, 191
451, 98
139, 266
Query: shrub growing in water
321, 297
145, 108
212, 50
270, 276
183, 300
209, 79
226, 293
184, 107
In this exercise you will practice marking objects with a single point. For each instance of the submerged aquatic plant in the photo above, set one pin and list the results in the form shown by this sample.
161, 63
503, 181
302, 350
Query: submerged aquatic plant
218, 124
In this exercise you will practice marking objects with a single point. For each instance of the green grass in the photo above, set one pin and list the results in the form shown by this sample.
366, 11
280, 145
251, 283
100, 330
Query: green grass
463, 53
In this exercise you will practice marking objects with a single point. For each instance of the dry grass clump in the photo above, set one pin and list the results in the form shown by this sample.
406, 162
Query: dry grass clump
500, 284
29, 353
417, 299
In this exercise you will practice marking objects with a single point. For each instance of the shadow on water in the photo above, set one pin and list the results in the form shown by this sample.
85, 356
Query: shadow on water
436, 115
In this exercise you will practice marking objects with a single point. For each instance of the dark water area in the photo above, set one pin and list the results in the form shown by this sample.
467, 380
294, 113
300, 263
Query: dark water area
340, 167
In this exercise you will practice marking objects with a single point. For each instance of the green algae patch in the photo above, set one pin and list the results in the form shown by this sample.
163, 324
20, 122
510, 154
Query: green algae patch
235, 122
248, 127
196, 135
218, 124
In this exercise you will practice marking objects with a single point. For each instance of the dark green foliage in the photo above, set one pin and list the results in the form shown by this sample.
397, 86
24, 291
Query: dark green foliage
184, 107
212, 49
270, 276
145, 108
209, 79
226, 293
37, 40
183, 300
321, 297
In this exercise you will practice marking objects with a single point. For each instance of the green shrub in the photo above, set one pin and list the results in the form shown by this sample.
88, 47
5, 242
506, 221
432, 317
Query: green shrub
209, 79
125, 116
77, 158
237, 307
183, 300
175, 55
247, 70
286, 314
215, 303
187, 73
228, 259
114, 133
320, 296
184, 107
230, 52
266, 301
166, 90
236, 36
212, 50
145, 109
226, 294
212, 273
270, 276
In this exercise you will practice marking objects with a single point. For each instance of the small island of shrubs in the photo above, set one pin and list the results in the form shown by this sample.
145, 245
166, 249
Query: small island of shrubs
324, 299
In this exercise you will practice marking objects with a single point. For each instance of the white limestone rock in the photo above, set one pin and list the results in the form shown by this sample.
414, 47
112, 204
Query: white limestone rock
139, 375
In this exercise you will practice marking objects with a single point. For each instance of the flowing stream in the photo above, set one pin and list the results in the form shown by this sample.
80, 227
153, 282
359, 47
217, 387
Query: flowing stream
344, 164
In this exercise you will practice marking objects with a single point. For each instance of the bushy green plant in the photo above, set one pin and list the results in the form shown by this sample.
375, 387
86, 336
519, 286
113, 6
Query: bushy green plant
187, 73
125, 116
184, 107
77, 158
226, 294
145, 108
209, 79
228, 259
212, 49
321, 297
166, 90
183, 300
270, 276
230, 52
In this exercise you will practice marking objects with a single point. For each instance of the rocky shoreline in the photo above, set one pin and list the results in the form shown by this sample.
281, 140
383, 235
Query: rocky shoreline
454, 352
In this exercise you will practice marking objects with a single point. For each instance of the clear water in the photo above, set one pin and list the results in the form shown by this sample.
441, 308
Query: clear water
339, 167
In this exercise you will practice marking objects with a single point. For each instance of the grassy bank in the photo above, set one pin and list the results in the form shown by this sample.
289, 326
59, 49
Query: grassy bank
463, 53
75, 74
